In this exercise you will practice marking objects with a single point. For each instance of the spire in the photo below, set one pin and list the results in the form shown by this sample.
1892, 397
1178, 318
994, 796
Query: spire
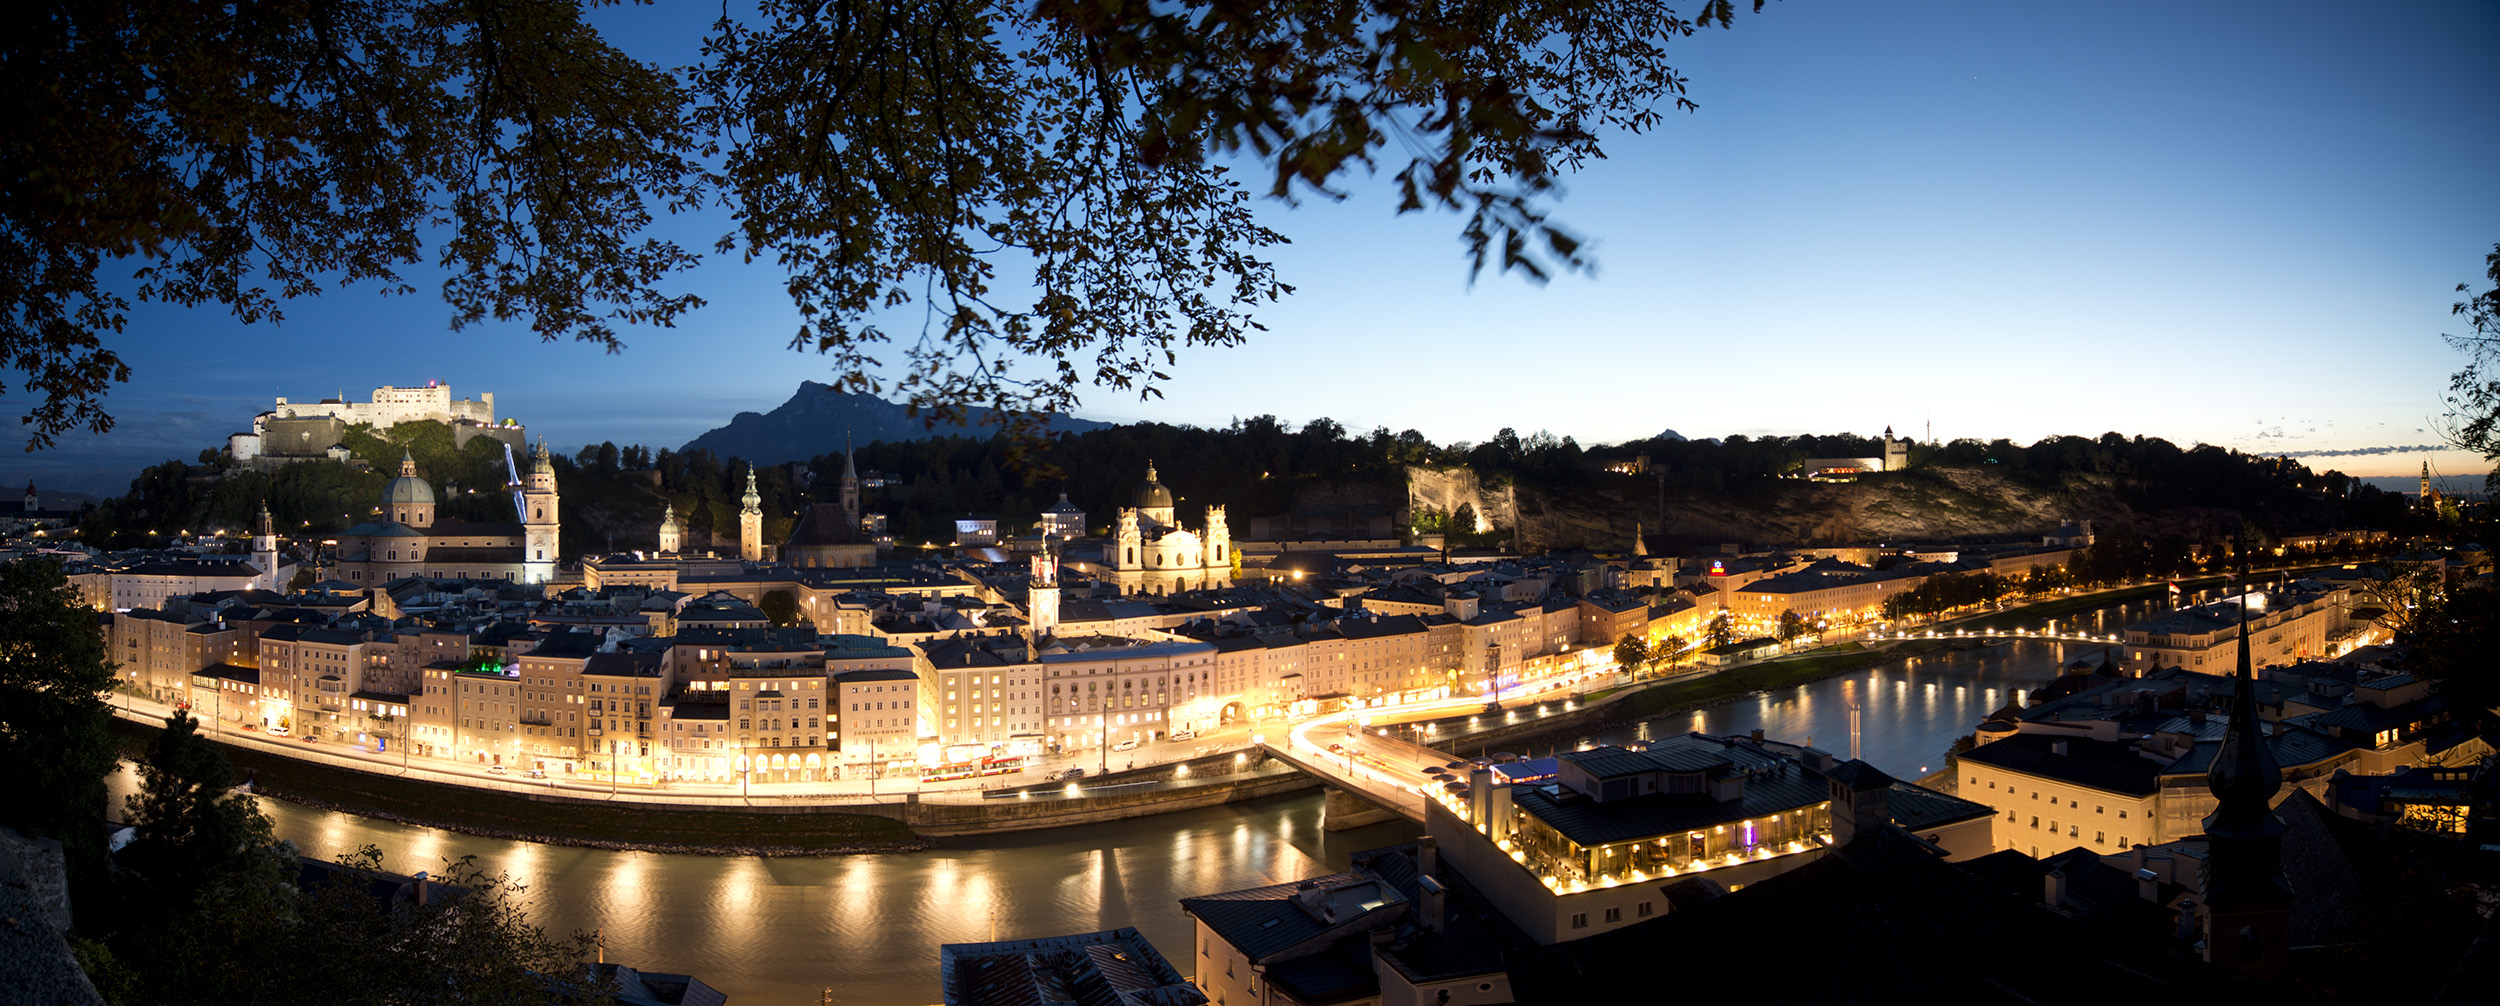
752, 502
1640, 550
1150, 471
850, 470
540, 462
407, 463
262, 524
2247, 903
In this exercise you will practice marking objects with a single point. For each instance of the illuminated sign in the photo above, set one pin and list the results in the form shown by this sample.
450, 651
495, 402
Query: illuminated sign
1718, 567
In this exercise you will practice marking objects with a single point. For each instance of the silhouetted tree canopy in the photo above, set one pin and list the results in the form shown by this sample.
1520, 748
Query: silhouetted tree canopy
1053, 183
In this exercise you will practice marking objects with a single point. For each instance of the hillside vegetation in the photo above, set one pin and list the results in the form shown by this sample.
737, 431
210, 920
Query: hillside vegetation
1540, 491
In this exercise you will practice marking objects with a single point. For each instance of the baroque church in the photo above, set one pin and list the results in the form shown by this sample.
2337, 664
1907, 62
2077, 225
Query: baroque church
1150, 552
403, 538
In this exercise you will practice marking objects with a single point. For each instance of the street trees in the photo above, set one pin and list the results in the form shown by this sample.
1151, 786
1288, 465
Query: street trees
1632, 653
1792, 625
1056, 186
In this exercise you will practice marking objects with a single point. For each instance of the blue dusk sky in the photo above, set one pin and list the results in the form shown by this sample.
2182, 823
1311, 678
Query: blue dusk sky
2229, 223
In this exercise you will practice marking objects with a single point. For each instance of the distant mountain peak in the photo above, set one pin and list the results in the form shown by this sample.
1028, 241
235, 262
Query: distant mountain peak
815, 418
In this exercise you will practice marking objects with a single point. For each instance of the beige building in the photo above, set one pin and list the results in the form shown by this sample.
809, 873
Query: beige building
1100, 691
2303, 621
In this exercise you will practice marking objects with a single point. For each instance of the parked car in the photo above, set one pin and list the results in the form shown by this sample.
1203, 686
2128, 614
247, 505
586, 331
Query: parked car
251, 726
277, 731
1126, 745
538, 773
1184, 735
495, 769
1074, 773
310, 739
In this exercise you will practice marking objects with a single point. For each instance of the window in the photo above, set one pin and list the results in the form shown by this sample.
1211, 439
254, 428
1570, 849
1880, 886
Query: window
1641, 909
2035, 821
2099, 809
1579, 920
2122, 814
1614, 915
2100, 838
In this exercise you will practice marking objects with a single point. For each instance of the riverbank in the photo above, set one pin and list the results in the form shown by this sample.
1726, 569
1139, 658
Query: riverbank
556, 821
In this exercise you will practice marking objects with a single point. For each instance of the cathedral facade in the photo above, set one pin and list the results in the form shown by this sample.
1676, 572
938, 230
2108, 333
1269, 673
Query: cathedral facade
1150, 552
403, 538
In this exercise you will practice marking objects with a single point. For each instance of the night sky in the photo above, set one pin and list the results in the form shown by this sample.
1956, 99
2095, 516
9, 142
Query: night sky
2230, 223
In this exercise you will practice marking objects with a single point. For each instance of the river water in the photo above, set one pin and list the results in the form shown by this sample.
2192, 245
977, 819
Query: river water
776, 931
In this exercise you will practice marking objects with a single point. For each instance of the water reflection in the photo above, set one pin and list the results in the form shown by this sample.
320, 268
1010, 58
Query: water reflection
1904, 730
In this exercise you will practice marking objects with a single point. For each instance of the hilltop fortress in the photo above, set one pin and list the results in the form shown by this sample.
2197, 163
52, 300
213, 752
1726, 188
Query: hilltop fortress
308, 431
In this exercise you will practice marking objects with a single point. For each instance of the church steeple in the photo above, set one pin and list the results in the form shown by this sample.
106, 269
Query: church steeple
408, 462
2247, 902
751, 522
850, 483
265, 548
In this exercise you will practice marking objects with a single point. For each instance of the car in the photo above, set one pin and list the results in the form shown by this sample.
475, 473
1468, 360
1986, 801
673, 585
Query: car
1336, 749
251, 726
1184, 735
310, 739
495, 769
278, 731
538, 773
1074, 773
1126, 745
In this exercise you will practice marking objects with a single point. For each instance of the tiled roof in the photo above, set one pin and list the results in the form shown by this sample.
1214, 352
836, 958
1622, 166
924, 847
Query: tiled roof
2104, 765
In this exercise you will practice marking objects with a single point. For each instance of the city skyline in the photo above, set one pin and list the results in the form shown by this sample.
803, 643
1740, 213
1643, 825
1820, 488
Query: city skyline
2239, 226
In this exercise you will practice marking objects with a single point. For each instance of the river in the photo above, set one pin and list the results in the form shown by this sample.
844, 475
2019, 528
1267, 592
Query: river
780, 931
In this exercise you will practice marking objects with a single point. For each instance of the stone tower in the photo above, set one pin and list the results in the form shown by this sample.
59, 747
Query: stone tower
1126, 542
751, 522
1042, 594
265, 549
539, 519
2248, 906
1896, 451
1219, 539
672, 534
2425, 497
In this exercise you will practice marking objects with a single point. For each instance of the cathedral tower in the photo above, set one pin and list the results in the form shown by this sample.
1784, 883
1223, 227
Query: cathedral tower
265, 549
751, 522
539, 519
1219, 540
672, 534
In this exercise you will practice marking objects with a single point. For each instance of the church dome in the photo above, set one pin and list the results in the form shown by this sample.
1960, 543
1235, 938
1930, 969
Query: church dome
1152, 494
407, 488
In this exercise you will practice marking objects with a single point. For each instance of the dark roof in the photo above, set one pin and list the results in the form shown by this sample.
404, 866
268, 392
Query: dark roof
877, 674
1590, 823
1112, 968
2106, 765
826, 524
1917, 808
1262, 921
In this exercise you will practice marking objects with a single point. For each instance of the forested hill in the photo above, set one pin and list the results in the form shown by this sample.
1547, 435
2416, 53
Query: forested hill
1691, 494
817, 417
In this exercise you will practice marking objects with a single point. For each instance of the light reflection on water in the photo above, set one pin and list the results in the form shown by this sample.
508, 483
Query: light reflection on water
771, 931
782, 930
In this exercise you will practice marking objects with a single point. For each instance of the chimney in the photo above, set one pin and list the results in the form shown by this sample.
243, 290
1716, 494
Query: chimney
1427, 855
2147, 883
1757, 735
2053, 887
424, 894
1435, 902
2058, 747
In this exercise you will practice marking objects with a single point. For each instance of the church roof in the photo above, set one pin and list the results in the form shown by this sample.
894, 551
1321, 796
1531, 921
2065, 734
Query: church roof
1152, 493
407, 488
826, 524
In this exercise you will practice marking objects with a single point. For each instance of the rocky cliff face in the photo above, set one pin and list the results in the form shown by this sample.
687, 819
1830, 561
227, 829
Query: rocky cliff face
1928, 505
1445, 489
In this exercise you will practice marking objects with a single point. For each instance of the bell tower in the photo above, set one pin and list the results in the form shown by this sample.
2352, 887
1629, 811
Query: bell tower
539, 519
265, 549
751, 522
1042, 595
